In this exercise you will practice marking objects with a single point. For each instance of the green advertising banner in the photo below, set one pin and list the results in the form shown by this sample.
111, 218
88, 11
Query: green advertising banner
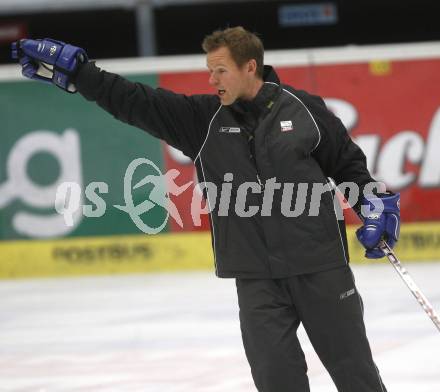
49, 137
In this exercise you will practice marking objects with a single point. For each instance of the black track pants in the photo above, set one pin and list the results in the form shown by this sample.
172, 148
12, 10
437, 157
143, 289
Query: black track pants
329, 306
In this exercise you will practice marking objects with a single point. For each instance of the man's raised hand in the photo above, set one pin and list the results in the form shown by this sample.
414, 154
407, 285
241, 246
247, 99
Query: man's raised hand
49, 61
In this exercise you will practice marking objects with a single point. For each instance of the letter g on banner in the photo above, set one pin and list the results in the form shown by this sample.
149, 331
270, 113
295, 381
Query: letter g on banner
19, 186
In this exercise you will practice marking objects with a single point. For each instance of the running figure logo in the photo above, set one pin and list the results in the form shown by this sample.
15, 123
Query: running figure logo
159, 195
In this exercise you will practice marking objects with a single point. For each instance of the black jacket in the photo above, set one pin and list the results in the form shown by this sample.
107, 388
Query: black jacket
284, 134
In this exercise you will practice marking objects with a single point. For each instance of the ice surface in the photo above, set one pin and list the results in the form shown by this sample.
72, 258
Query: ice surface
180, 333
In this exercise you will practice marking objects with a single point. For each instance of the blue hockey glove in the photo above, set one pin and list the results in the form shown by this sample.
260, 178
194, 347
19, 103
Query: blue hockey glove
379, 223
49, 61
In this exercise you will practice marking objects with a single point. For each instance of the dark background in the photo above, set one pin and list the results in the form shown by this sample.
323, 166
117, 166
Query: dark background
179, 29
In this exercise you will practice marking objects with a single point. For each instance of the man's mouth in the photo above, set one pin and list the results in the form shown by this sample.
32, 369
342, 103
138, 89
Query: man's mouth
221, 92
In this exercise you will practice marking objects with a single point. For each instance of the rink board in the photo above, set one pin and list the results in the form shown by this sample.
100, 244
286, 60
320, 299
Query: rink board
63, 138
166, 252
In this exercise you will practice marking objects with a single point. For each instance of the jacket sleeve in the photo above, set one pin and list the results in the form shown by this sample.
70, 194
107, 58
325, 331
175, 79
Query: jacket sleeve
338, 156
182, 121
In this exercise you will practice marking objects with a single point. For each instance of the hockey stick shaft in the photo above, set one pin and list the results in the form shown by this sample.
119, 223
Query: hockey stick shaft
402, 271
406, 277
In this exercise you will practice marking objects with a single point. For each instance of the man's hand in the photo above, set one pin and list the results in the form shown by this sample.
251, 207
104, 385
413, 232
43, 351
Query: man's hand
381, 222
49, 61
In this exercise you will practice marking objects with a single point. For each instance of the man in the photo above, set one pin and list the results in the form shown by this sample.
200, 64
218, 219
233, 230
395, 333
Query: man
290, 267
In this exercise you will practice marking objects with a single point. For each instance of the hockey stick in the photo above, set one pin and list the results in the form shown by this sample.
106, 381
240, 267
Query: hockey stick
401, 270
406, 277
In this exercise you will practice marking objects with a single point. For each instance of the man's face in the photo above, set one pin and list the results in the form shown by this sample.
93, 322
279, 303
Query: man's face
230, 80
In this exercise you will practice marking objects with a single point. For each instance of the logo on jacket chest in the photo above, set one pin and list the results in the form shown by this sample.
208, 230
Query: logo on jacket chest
229, 130
286, 126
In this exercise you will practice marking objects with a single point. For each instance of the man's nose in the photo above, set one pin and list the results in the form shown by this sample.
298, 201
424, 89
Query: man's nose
212, 80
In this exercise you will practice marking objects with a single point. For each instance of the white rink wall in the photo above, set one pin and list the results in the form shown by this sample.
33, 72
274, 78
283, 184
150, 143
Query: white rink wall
277, 58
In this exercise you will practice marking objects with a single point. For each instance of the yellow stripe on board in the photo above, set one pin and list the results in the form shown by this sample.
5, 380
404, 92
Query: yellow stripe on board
105, 255
164, 252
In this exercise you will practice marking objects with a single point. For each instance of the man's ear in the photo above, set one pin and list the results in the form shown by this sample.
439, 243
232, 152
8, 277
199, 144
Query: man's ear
252, 66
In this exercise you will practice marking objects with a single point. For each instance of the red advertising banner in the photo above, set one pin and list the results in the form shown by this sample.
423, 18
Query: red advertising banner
391, 109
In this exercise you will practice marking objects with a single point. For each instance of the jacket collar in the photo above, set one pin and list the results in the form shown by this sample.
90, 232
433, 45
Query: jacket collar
265, 96
269, 75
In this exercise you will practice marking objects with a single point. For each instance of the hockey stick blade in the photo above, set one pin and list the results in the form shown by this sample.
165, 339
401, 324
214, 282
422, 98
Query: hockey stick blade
406, 277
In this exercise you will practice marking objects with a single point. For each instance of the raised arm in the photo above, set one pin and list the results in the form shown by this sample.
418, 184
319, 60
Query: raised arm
182, 121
